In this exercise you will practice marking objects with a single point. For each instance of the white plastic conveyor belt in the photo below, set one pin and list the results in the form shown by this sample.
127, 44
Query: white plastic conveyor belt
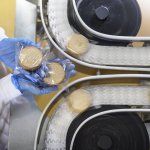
101, 94
116, 95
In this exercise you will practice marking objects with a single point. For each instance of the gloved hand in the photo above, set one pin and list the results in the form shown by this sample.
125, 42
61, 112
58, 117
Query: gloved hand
26, 81
8, 49
25, 85
33, 81
38, 75
7, 56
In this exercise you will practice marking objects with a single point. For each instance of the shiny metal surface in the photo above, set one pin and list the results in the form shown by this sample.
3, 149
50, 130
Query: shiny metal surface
3, 70
36, 2
26, 14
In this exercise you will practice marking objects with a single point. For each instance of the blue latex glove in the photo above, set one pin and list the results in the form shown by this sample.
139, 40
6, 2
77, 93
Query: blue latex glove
8, 49
38, 75
26, 81
33, 81
25, 85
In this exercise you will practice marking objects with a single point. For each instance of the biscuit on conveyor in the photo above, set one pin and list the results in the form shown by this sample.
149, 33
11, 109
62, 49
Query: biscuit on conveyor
79, 100
56, 74
77, 45
30, 58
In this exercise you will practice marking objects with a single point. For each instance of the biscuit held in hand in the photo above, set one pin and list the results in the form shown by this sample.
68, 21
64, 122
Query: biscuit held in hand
56, 74
30, 58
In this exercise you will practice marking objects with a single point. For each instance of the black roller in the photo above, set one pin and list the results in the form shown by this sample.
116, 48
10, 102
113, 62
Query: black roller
114, 17
120, 131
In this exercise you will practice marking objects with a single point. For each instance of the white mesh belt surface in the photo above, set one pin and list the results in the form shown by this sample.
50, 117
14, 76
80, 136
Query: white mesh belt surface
57, 128
120, 95
103, 55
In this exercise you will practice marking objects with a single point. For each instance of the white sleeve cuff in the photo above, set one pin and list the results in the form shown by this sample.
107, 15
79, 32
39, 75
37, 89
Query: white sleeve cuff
7, 89
2, 34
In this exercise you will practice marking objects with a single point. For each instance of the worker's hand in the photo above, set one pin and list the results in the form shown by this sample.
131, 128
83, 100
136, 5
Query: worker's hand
33, 81
27, 81
25, 85
8, 48
38, 75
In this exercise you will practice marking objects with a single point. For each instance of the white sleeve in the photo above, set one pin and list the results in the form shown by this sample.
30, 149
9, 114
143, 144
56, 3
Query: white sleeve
7, 90
2, 34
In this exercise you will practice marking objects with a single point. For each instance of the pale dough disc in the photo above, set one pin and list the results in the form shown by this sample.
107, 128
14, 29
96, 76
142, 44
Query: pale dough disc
30, 58
79, 100
56, 75
77, 45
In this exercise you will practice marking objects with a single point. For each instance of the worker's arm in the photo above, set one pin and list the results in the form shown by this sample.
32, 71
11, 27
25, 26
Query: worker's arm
7, 89
7, 93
